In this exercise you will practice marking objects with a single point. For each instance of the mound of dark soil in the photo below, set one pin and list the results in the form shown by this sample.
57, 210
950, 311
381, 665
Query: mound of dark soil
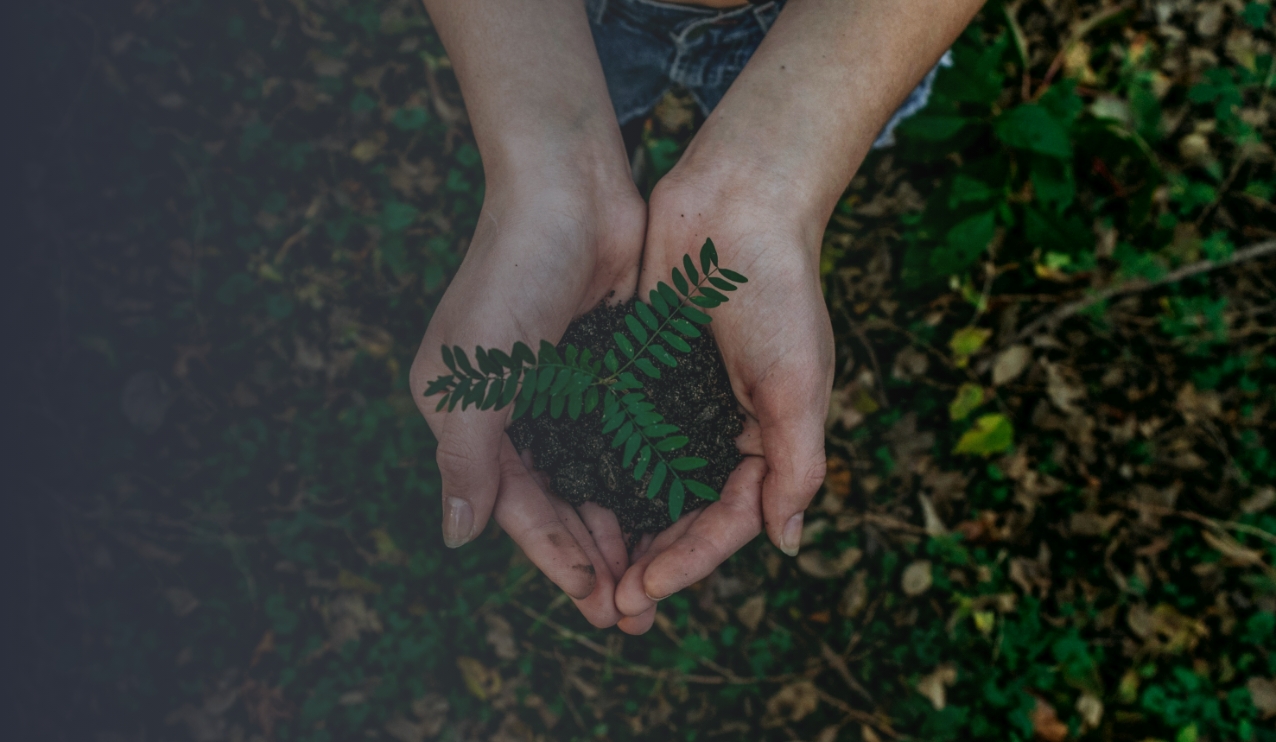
578, 457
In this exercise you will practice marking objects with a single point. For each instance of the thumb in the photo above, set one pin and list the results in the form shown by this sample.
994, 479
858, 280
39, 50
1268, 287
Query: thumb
791, 408
468, 457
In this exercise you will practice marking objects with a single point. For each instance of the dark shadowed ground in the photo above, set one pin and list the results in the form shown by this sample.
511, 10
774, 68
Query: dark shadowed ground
1050, 509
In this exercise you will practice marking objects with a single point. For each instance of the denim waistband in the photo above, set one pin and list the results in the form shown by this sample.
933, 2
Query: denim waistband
684, 22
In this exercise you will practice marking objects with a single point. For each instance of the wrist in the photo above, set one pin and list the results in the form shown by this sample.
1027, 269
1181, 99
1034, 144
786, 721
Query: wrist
749, 193
582, 156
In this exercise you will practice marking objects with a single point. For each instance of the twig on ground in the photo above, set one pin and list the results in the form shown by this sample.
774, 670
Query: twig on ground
625, 667
1222, 190
838, 664
880, 385
1253, 252
855, 714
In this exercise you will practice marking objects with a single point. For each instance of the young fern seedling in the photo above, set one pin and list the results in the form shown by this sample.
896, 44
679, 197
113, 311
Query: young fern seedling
575, 382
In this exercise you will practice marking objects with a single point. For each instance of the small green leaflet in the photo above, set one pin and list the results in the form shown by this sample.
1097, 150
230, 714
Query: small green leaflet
657, 479
636, 328
672, 443
662, 355
969, 397
708, 256
645, 314
690, 268
675, 499
695, 315
704, 492
688, 463
991, 434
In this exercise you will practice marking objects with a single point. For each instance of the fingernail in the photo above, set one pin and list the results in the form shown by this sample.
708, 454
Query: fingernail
458, 521
652, 597
792, 536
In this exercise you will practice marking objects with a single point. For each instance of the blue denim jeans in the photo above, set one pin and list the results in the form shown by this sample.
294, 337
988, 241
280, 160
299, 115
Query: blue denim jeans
646, 46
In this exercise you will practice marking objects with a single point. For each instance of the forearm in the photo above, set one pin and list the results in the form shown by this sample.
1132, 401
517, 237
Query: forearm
804, 112
533, 86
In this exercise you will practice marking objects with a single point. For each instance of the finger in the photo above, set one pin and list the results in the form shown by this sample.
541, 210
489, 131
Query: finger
605, 530
630, 598
639, 624
599, 607
725, 526
749, 442
642, 547
527, 515
541, 477
791, 409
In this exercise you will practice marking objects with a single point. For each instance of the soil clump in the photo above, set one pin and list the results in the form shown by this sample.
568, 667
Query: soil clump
578, 457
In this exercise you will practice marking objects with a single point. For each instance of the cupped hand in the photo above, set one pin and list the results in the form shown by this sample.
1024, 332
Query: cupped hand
542, 254
777, 344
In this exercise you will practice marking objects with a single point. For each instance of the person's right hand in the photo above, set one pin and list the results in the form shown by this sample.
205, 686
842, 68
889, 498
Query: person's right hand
548, 248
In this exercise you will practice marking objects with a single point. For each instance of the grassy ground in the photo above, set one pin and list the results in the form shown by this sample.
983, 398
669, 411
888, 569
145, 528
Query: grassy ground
1049, 512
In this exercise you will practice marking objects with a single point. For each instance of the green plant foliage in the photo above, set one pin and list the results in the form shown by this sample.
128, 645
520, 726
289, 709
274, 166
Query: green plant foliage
969, 398
575, 382
990, 434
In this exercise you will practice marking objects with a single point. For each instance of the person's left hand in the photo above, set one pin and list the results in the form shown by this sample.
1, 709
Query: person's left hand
777, 343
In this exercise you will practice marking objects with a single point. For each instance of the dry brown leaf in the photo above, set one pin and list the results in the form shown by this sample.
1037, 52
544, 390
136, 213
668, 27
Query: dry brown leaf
1195, 405
910, 364
822, 567
1234, 553
751, 612
402, 730
482, 682
933, 686
366, 150
431, 709
1209, 19
1262, 499
500, 635
917, 578
850, 405
1092, 524
1010, 363
1262, 691
1090, 708
934, 526
854, 596
1064, 387
1195, 148
1032, 574
347, 617
1165, 630
812, 530
793, 702
1045, 723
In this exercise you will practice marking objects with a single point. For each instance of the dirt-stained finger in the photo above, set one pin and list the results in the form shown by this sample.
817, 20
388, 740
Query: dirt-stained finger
725, 526
605, 530
525, 512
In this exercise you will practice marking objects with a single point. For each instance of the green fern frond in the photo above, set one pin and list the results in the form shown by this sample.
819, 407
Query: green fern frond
575, 383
